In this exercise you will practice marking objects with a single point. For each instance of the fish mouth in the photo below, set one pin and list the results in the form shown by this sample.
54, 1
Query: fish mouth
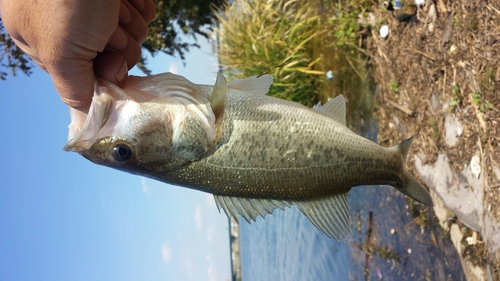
84, 128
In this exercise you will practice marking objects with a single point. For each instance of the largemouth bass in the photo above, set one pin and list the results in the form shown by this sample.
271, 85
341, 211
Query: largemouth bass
253, 152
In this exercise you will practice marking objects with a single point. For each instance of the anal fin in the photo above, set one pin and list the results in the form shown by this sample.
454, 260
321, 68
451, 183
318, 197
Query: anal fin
330, 215
248, 208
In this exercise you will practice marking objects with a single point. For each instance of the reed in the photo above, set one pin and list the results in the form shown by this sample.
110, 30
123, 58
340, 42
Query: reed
256, 36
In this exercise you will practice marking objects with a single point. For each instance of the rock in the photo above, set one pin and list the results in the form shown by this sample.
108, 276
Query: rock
475, 166
420, 3
461, 198
384, 31
453, 128
329, 75
435, 102
463, 194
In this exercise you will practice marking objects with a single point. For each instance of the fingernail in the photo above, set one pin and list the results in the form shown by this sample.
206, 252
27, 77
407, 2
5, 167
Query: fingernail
122, 73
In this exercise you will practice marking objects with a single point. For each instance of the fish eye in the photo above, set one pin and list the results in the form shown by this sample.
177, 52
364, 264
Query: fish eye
122, 152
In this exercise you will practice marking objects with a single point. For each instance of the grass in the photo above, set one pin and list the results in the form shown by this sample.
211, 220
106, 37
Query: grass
345, 20
488, 85
455, 98
479, 99
395, 87
487, 90
436, 133
256, 36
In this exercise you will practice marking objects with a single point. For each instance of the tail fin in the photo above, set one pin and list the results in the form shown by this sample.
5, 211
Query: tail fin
410, 185
415, 190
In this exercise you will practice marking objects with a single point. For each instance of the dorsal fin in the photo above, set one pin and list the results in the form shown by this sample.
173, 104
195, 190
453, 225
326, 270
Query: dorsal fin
253, 84
334, 108
403, 148
248, 208
330, 215
219, 94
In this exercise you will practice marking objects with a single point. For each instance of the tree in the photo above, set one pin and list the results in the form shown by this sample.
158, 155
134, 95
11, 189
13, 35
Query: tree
11, 57
173, 18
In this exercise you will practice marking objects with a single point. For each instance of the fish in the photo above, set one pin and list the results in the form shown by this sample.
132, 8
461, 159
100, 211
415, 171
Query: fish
253, 152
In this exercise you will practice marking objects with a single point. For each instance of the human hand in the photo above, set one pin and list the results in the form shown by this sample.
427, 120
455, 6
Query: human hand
75, 40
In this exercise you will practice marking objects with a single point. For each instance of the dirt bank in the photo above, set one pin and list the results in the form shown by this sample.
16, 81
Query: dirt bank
439, 79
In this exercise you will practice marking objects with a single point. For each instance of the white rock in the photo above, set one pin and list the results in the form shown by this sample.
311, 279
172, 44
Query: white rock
329, 75
420, 2
472, 240
475, 166
384, 31
453, 129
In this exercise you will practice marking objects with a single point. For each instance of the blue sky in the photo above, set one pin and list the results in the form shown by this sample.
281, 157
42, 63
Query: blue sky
65, 218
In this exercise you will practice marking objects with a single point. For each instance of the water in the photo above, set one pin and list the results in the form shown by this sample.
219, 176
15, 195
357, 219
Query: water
286, 246
394, 238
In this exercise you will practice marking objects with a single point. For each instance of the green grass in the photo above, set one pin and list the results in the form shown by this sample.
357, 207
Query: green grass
479, 99
487, 90
317, 36
455, 98
395, 87
259, 35
344, 20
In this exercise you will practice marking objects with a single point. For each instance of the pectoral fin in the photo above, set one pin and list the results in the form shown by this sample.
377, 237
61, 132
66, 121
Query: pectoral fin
219, 94
334, 108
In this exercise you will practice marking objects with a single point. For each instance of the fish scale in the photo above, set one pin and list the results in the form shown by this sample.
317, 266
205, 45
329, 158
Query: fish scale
243, 165
253, 152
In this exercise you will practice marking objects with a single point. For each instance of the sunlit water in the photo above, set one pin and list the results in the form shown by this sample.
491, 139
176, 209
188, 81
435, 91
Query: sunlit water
286, 246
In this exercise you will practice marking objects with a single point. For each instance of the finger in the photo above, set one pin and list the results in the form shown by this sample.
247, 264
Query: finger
137, 26
149, 11
131, 52
146, 8
125, 14
119, 39
138, 4
112, 67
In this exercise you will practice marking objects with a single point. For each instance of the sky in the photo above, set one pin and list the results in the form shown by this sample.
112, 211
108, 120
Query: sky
65, 218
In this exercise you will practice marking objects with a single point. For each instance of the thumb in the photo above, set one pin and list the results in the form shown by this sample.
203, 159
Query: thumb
75, 85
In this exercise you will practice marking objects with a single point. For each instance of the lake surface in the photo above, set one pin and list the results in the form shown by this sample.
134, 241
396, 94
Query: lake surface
286, 246
394, 238
387, 244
